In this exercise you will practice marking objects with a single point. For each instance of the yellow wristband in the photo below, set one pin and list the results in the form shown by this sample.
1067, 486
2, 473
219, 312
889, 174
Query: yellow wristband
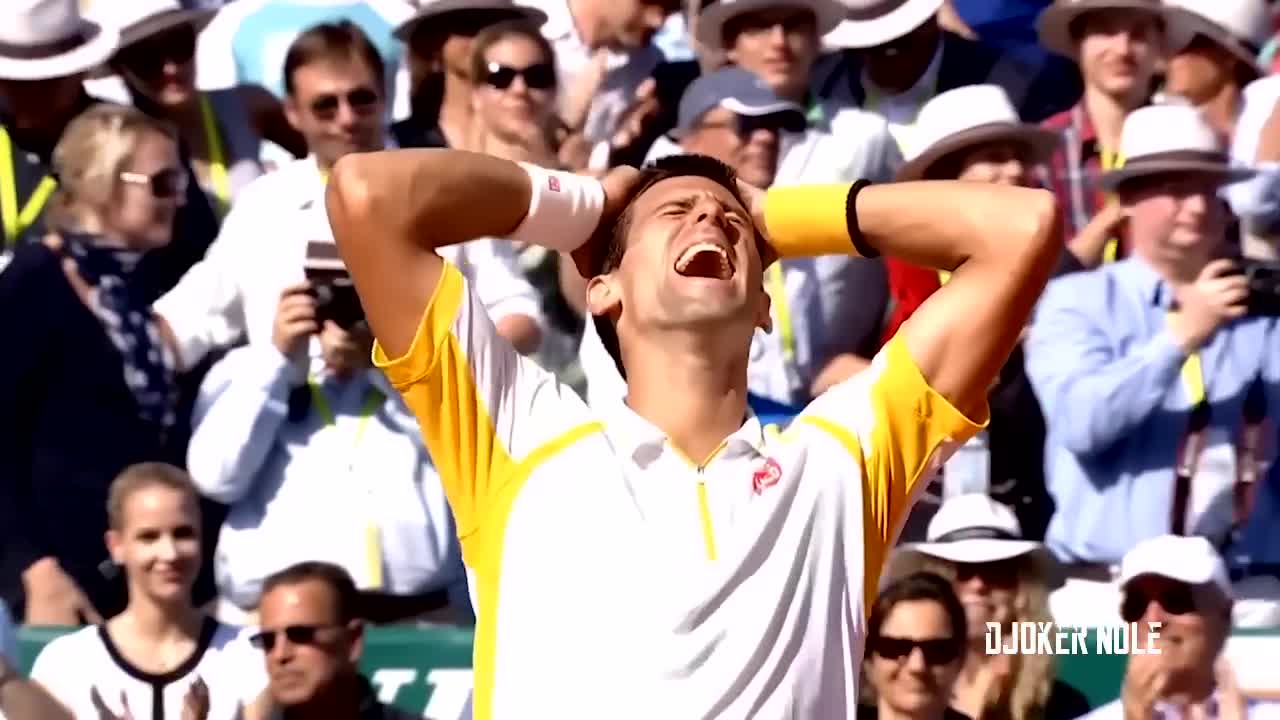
809, 220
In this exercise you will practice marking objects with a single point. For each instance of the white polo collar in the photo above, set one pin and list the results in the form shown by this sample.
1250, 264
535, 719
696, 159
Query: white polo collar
644, 443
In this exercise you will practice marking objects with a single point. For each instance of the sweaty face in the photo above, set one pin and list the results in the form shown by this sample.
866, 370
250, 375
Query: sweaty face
691, 262
158, 543
1119, 50
1177, 221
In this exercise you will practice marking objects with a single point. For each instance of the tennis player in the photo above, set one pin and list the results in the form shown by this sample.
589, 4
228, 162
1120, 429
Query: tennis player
663, 558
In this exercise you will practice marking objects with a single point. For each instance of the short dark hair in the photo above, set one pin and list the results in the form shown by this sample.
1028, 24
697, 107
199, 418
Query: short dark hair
614, 242
336, 41
917, 586
345, 595
499, 31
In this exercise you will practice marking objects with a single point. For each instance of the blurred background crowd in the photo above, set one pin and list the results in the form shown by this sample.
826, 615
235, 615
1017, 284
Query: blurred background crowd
186, 371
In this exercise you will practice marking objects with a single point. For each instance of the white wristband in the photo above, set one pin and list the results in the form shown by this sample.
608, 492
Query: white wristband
564, 209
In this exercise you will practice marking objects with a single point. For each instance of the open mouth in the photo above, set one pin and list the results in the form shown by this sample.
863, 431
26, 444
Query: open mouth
705, 260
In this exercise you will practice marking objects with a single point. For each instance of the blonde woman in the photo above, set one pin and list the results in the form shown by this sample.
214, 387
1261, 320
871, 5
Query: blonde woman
161, 657
976, 544
87, 381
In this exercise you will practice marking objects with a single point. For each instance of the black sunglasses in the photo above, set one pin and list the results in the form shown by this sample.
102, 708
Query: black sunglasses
937, 651
1175, 599
168, 183
361, 101
745, 125
296, 634
540, 76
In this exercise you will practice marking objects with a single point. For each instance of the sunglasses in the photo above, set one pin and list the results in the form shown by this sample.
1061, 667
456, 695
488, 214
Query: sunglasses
147, 55
296, 634
362, 101
166, 184
937, 651
541, 76
745, 125
1175, 599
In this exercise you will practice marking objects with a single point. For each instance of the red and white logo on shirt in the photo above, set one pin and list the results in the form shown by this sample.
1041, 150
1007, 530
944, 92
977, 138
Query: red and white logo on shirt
554, 184
766, 476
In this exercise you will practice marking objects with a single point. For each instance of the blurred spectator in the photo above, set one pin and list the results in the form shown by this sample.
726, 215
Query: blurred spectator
514, 101
92, 384
973, 133
1180, 583
313, 640
161, 657
156, 61
826, 311
896, 57
1119, 45
1155, 375
915, 649
1256, 143
438, 40
21, 699
976, 543
264, 424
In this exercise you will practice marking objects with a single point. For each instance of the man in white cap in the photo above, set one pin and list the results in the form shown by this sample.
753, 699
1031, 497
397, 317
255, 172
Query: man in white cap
897, 57
1118, 45
1157, 373
1182, 584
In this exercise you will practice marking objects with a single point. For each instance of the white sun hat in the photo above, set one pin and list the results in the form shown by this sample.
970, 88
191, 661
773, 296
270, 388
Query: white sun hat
46, 39
869, 23
1056, 24
974, 529
712, 19
967, 117
1171, 138
1241, 27
140, 19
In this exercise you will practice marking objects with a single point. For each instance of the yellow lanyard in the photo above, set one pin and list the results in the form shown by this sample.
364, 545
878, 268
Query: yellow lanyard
217, 157
1110, 161
17, 221
1193, 376
372, 533
778, 291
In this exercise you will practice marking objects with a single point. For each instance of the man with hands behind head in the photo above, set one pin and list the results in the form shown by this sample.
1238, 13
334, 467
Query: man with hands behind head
713, 571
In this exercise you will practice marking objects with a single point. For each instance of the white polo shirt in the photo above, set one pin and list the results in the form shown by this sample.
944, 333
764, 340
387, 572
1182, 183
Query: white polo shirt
614, 578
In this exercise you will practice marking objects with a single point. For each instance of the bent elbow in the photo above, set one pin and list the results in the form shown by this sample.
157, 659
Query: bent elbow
350, 195
1043, 224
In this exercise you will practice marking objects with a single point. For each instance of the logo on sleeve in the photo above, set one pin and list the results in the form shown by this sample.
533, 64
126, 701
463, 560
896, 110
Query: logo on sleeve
554, 184
766, 476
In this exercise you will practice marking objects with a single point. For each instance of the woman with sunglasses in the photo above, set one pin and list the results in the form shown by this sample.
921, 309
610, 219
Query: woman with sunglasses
976, 544
88, 383
156, 62
915, 648
161, 657
515, 95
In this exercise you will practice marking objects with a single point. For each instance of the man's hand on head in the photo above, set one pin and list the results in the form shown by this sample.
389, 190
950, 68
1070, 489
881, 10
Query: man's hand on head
619, 187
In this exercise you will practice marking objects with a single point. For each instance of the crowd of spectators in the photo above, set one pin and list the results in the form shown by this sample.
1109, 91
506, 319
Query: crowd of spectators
186, 374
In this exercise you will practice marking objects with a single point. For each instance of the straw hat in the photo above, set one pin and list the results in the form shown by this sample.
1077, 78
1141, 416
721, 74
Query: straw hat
1054, 24
967, 117
974, 529
869, 23
1162, 139
46, 39
437, 8
140, 19
1241, 27
713, 17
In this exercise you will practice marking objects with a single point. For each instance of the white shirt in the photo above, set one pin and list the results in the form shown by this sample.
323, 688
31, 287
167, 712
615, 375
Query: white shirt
72, 667
350, 484
734, 586
901, 109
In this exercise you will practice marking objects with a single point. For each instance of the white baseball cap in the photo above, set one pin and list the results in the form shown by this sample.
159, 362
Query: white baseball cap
1185, 558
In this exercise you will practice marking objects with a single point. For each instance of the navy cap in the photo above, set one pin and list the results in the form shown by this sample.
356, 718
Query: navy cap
734, 89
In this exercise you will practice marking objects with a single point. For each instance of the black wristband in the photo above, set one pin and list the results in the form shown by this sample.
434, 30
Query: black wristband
859, 241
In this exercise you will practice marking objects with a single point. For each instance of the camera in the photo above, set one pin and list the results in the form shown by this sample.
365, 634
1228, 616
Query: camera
1264, 286
331, 285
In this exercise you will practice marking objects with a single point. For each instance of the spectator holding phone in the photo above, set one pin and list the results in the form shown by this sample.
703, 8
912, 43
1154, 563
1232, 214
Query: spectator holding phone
1156, 378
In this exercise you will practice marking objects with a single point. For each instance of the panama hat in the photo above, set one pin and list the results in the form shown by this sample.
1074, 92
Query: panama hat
1241, 27
45, 39
712, 19
1054, 26
439, 8
1162, 139
967, 117
140, 19
870, 23
975, 529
